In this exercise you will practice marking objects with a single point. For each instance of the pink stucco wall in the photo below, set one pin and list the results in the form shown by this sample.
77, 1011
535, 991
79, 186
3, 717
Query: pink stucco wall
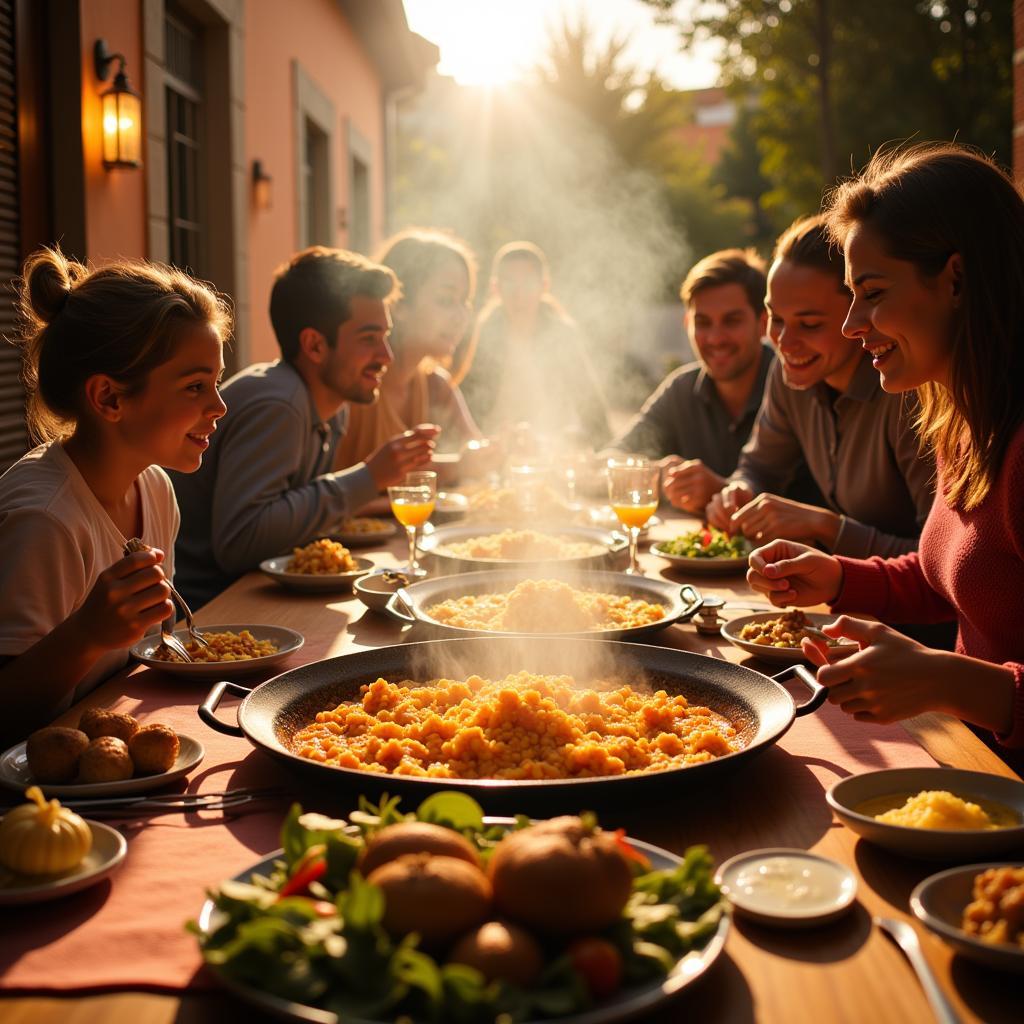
315, 33
115, 210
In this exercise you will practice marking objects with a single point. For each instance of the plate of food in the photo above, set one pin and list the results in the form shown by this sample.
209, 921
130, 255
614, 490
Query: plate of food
776, 636
109, 754
976, 910
933, 813
363, 531
322, 565
455, 549
705, 550
555, 920
234, 650
47, 851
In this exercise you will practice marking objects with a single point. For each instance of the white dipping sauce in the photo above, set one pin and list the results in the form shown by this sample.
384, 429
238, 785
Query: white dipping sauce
787, 884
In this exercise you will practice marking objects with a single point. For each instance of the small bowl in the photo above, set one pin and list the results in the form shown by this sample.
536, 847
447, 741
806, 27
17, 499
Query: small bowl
375, 588
942, 844
938, 903
831, 887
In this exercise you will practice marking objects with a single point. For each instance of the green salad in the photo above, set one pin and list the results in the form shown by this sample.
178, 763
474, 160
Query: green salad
707, 542
333, 926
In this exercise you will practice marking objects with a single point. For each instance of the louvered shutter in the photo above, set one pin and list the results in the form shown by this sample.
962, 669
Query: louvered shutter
13, 434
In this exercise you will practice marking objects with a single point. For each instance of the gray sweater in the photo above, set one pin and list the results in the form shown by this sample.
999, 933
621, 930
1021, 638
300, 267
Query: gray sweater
265, 485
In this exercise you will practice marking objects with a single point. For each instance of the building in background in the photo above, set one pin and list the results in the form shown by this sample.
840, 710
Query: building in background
265, 127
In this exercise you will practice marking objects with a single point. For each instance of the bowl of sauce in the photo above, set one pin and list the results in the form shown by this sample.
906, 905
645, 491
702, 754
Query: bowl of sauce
933, 813
787, 888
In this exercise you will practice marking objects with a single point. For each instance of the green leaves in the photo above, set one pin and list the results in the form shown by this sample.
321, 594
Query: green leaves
453, 810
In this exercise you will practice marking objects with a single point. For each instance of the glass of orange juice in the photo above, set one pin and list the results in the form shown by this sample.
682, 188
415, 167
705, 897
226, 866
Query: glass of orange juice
412, 504
633, 494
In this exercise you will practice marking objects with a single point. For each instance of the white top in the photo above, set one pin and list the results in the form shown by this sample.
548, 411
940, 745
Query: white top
55, 540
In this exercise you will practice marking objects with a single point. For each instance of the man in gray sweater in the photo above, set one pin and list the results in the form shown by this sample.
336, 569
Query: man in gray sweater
266, 483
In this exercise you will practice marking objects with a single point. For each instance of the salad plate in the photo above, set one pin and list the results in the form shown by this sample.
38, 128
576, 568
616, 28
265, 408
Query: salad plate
629, 1002
705, 550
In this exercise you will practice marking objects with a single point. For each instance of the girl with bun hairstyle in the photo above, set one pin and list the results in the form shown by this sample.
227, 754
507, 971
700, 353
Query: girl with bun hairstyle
933, 238
121, 366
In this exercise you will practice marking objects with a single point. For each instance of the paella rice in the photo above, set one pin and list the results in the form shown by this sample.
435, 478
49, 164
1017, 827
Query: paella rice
225, 646
521, 727
545, 606
996, 915
787, 630
522, 546
322, 557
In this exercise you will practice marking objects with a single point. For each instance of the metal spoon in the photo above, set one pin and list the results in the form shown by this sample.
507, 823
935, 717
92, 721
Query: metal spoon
906, 938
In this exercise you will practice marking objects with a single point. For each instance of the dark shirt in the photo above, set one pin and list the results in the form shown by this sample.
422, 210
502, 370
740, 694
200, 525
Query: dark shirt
686, 417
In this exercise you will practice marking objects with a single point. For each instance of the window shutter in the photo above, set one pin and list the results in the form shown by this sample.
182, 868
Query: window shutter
13, 433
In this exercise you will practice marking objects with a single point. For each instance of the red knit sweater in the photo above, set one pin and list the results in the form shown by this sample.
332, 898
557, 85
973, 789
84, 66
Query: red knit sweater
969, 567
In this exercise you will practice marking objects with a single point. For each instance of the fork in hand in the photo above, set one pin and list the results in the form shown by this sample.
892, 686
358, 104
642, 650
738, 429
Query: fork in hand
167, 637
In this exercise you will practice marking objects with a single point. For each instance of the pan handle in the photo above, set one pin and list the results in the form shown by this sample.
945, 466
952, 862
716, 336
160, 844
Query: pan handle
398, 608
818, 692
692, 600
209, 706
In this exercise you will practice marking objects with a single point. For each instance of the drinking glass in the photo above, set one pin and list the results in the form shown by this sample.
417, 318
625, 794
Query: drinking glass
412, 504
633, 494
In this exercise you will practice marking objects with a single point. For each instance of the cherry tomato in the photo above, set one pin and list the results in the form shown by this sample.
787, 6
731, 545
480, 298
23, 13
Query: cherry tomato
312, 866
705, 538
599, 963
628, 851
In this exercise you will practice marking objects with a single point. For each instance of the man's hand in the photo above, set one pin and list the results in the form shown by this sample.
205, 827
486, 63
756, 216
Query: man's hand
769, 517
690, 485
729, 500
788, 573
403, 454
126, 599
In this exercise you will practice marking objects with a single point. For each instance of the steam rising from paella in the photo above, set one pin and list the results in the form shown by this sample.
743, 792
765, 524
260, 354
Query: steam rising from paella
522, 726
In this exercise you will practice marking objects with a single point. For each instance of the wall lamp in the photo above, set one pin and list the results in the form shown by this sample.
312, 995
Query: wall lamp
262, 187
122, 112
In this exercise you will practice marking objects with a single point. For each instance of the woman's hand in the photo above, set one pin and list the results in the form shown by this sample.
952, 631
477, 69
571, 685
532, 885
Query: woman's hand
769, 517
890, 678
794, 574
729, 500
126, 599
690, 485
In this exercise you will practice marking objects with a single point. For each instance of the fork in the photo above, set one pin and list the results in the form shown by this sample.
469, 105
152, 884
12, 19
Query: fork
170, 803
131, 547
906, 938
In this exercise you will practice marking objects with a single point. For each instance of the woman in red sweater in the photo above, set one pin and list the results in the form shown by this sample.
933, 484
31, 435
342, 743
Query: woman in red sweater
934, 243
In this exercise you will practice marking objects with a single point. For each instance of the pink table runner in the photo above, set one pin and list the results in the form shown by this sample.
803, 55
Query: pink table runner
128, 932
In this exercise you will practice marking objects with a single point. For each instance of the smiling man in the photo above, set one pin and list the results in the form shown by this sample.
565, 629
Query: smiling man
701, 415
266, 484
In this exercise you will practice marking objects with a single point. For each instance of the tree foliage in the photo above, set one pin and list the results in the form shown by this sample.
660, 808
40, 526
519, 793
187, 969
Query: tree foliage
832, 81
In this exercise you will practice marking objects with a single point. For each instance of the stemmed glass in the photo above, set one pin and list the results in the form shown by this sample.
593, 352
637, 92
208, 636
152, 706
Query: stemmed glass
633, 494
412, 503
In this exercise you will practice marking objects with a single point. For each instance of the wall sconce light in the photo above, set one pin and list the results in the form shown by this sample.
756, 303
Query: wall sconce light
262, 187
122, 112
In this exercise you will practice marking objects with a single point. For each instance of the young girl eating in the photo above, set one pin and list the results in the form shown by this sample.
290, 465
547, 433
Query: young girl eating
122, 366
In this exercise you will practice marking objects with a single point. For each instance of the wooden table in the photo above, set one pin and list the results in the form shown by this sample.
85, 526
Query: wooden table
843, 972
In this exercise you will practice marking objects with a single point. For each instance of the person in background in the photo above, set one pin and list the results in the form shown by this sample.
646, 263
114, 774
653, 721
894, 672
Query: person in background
700, 416
437, 275
122, 366
823, 405
933, 237
266, 485
526, 362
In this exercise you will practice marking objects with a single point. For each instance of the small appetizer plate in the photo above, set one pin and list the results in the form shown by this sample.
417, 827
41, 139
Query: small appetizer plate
105, 857
364, 531
310, 583
781, 655
287, 641
787, 888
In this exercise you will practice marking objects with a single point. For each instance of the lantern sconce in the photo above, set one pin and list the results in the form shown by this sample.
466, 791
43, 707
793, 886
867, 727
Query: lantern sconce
262, 187
122, 112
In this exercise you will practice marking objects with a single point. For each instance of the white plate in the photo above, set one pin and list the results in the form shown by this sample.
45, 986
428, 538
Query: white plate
309, 583
951, 845
105, 857
938, 903
781, 655
629, 1003
708, 566
384, 531
287, 641
15, 774
834, 885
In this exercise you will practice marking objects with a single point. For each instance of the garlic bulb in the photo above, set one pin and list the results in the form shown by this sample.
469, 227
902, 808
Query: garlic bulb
42, 838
